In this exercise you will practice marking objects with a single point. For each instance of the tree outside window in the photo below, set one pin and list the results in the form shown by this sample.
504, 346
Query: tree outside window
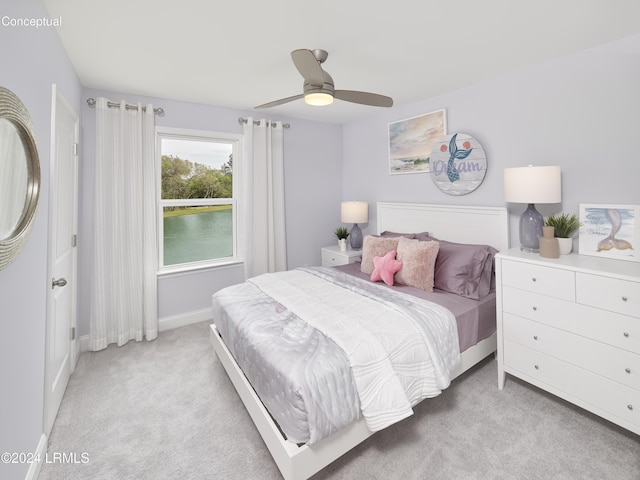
197, 199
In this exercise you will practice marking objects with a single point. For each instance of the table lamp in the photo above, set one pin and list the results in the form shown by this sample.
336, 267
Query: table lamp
532, 185
354, 212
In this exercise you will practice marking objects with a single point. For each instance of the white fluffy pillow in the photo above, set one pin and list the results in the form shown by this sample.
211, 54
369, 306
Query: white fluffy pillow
375, 247
418, 263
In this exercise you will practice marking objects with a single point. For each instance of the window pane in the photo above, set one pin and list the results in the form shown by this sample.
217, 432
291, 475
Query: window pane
196, 169
193, 234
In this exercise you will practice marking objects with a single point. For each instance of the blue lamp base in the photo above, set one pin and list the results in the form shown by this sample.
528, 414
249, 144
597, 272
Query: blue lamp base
355, 237
531, 223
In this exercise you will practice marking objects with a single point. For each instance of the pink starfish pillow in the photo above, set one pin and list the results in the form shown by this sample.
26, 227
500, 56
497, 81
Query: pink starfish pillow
385, 268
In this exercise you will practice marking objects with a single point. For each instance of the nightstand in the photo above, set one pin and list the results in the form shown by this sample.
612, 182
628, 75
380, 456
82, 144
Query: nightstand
571, 326
332, 256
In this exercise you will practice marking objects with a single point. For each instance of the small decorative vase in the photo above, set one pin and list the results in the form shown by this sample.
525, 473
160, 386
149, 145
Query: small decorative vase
342, 243
549, 247
566, 244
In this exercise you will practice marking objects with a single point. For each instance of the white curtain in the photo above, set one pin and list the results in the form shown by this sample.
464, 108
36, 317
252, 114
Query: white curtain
124, 285
263, 194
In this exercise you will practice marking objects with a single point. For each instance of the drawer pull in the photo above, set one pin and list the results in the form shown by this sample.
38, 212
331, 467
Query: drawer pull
536, 367
628, 370
626, 334
535, 337
533, 279
535, 309
630, 407
624, 299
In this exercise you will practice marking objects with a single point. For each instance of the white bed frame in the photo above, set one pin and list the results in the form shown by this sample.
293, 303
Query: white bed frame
481, 225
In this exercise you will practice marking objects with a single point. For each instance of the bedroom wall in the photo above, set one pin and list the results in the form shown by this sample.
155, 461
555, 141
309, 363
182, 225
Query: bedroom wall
31, 59
313, 163
579, 112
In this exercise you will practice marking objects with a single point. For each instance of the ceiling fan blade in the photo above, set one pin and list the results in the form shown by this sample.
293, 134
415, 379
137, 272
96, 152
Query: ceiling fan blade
308, 66
280, 102
365, 98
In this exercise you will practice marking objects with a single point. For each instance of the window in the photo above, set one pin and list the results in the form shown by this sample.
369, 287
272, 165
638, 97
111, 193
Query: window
198, 190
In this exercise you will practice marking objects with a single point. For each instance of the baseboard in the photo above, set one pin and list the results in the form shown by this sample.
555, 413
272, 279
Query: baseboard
184, 319
41, 452
166, 323
84, 343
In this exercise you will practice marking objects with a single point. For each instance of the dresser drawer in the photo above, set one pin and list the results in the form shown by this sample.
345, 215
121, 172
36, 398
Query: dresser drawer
536, 306
554, 282
577, 385
611, 328
611, 362
613, 294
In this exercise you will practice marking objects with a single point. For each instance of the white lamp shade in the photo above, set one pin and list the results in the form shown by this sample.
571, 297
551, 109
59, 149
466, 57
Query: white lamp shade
532, 185
354, 212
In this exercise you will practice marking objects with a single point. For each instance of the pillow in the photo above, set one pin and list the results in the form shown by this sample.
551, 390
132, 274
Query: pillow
464, 269
375, 247
385, 268
418, 263
395, 234
424, 236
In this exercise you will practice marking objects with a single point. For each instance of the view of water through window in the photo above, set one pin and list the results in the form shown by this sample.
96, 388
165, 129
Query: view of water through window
196, 168
194, 237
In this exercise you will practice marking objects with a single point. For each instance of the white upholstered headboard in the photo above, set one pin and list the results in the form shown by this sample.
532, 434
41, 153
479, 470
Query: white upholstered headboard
480, 225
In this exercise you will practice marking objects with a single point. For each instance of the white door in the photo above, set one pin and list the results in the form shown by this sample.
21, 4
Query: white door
63, 207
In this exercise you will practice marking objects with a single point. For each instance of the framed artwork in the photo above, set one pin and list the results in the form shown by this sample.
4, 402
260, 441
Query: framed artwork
611, 231
411, 142
458, 164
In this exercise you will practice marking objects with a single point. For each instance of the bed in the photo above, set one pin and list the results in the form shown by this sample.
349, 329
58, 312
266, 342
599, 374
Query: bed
465, 225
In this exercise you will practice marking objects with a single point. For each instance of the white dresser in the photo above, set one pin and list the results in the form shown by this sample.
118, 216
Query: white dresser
333, 256
571, 326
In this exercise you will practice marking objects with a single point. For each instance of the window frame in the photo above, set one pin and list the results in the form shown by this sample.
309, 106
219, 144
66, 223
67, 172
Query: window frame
235, 141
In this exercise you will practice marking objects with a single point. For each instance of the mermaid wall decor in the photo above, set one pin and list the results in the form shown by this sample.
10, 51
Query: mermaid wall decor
458, 164
610, 231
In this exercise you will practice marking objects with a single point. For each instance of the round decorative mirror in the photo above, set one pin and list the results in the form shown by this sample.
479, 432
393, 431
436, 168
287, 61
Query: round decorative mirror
19, 176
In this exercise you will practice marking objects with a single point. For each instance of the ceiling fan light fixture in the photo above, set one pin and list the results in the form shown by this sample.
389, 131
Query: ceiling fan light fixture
318, 99
318, 88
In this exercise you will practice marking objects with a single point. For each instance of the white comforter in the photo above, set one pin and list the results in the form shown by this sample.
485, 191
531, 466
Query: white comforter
396, 361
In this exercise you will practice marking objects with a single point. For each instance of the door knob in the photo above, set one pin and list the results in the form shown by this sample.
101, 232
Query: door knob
61, 282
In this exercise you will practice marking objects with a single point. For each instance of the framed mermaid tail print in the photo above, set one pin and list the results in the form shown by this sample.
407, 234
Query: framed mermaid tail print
611, 231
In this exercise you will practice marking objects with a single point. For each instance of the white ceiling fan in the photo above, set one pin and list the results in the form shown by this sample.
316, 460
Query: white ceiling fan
318, 87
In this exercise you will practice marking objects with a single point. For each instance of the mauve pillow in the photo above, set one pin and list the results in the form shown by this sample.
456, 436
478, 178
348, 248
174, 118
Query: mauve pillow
375, 247
424, 236
418, 263
405, 235
464, 269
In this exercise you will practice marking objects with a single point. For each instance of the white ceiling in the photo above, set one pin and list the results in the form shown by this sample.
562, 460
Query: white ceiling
237, 53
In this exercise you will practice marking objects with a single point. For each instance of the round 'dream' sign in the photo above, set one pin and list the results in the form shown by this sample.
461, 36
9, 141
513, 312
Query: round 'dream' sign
458, 164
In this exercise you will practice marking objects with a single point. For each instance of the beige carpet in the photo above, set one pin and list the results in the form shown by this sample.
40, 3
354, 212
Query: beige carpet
166, 410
